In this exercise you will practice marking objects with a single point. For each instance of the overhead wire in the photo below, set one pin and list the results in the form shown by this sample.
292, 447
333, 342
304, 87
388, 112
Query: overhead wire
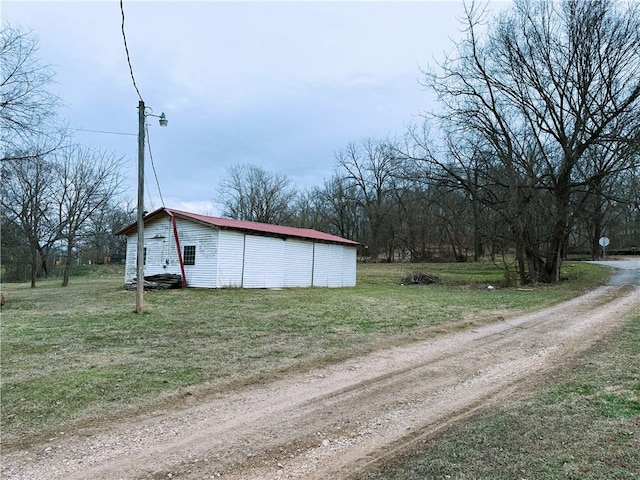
126, 49
104, 131
149, 205
135, 85
153, 166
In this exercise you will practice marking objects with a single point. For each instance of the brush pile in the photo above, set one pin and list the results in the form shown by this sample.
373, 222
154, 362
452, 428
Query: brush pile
419, 278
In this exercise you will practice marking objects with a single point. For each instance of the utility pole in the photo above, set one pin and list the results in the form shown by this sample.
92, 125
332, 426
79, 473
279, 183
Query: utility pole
140, 254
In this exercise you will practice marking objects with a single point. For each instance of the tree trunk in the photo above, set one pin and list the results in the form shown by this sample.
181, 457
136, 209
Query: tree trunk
43, 261
597, 225
67, 265
559, 232
478, 247
34, 266
520, 260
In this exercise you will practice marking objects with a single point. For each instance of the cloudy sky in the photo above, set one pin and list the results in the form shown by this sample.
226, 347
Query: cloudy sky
281, 85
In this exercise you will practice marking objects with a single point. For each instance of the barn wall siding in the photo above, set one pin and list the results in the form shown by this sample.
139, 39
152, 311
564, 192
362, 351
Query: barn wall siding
334, 269
230, 259
130, 265
321, 265
162, 253
298, 263
349, 261
205, 239
334, 266
263, 262
158, 241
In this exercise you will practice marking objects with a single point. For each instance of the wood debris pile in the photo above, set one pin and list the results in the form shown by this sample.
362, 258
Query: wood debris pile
161, 281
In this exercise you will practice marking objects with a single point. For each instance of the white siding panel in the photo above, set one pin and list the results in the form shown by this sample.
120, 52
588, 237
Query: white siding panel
298, 263
230, 259
321, 265
157, 238
205, 239
334, 267
263, 262
130, 265
349, 261
162, 253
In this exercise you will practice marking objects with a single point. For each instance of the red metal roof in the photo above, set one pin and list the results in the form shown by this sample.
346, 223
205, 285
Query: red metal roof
264, 228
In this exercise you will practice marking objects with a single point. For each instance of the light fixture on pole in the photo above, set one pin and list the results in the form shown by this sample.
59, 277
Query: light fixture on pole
140, 215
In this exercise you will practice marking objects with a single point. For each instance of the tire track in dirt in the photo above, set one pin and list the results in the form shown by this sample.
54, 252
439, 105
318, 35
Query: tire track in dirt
331, 422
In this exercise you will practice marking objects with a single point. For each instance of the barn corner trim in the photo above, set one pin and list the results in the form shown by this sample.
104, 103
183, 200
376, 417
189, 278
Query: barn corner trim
175, 235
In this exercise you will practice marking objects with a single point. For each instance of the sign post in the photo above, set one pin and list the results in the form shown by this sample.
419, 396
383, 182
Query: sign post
604, 242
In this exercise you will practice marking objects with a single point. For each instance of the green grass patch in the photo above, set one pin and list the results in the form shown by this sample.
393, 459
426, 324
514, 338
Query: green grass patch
79, 352
585, 425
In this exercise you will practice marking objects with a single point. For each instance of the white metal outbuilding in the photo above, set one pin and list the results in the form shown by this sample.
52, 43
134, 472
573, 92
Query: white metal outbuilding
213, 252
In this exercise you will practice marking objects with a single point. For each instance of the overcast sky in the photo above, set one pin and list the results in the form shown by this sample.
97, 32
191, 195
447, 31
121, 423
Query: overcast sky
281, 85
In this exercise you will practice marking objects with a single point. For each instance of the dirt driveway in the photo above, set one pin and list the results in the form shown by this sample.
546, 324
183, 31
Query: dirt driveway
334, 421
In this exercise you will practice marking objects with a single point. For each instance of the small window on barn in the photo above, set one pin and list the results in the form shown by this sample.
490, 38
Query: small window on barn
189, 255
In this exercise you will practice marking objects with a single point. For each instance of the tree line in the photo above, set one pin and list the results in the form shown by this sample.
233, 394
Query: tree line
534, 150
532, 154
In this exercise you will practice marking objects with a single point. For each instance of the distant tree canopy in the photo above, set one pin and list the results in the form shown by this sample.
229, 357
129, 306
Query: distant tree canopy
248, 192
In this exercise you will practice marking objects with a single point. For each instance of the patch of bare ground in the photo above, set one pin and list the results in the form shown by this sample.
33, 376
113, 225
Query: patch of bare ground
333, 421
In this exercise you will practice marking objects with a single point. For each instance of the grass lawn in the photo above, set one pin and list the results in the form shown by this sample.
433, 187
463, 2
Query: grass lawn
76, 353
585, 424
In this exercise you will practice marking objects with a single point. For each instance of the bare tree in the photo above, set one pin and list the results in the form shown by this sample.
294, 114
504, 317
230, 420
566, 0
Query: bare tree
413, 219
27, 197
339, 198
14, 252
87, 180
99, 241
607, 206
628, 227
548, 84
371, 167
28, 110
310, 210
248, 192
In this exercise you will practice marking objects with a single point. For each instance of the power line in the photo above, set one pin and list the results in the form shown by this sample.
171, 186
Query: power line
153, 166
126, 49
104, 131
150, 206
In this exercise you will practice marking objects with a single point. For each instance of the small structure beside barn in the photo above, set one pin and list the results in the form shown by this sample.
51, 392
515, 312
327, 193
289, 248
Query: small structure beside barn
213, 252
